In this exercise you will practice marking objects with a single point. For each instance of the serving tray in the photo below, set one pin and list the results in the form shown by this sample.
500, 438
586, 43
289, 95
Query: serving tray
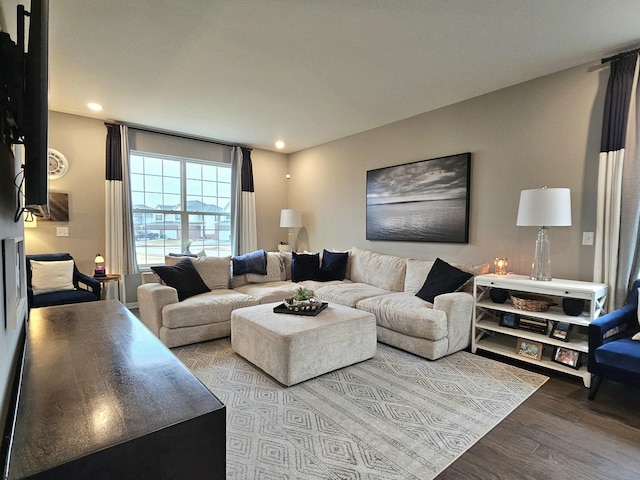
282, 308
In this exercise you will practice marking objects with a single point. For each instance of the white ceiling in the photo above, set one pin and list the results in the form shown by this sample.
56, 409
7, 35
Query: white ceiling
312, 71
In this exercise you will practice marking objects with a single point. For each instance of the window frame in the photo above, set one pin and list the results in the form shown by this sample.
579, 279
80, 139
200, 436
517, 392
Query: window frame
180, 213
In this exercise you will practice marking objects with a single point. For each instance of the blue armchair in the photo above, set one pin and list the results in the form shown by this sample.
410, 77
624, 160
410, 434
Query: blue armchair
87, 289
612, 352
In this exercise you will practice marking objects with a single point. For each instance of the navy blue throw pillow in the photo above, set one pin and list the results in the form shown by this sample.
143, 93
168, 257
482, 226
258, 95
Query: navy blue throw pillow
182, 276
442, 278
334, 266
304, 266
252, 262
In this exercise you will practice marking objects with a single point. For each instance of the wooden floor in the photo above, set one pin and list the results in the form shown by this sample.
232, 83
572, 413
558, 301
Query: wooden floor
558, 434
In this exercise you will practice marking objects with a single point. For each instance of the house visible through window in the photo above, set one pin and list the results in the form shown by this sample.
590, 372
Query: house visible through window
180, 205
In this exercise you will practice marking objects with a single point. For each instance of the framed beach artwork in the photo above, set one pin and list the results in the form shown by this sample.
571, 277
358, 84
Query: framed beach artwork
425, 201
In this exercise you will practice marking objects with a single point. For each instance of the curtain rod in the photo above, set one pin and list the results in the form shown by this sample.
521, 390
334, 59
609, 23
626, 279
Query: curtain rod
142, 128
620, 55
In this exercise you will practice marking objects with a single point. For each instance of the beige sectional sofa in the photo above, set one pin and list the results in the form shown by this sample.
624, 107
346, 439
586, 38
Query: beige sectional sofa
385, 285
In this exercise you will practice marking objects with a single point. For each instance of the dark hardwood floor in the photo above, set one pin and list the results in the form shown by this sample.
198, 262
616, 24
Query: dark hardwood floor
557, 433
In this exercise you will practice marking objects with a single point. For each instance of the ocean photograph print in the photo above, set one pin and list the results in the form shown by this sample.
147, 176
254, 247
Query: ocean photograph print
425, 201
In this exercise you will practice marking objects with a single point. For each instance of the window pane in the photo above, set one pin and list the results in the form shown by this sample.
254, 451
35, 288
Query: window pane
171, 168
194, 170
194, 187
153, 183
153, 200
224, 174
171, 185
209, 172
152, 165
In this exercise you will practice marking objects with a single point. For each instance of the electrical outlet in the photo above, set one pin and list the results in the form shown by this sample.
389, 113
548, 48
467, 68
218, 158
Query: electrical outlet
62, 231
587, 238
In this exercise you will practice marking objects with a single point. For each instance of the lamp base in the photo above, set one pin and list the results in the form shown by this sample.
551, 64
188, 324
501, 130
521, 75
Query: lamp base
541, 267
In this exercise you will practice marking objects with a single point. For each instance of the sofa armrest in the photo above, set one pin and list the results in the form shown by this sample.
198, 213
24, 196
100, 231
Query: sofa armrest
458, 306
148, 277
152, 298
90, 282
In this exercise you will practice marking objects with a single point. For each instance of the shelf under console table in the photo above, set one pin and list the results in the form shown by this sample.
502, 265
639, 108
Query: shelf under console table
101, 397
490, 336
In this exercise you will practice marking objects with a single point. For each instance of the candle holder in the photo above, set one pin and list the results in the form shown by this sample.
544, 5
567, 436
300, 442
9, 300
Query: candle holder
500, 265
100, 270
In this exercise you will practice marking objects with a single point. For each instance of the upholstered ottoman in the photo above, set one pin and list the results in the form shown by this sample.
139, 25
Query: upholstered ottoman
295, 348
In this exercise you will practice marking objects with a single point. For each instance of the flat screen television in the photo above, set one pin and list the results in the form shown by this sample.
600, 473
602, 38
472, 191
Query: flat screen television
36, 109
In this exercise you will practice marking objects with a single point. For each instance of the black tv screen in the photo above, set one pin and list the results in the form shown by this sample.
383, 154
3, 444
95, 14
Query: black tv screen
36, 110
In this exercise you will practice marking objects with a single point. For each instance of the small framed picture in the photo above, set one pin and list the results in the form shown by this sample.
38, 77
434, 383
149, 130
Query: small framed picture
561, 331
509, 320
566, 356
529, 349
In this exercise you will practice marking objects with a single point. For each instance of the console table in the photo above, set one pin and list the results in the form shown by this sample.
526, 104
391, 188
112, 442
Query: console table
102, 397
489, 335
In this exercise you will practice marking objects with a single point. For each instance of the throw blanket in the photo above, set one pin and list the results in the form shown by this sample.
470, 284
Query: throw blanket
252, 262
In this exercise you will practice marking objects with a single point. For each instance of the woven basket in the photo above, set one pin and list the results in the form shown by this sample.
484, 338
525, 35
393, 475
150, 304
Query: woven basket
531, 303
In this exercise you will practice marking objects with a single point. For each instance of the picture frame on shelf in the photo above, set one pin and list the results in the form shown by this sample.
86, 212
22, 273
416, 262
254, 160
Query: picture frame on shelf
568, 357
509, 320
561, 331
529, 349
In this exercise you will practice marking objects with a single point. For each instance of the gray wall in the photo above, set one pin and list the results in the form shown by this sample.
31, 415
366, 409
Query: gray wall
82, 141
542, 132
10, 340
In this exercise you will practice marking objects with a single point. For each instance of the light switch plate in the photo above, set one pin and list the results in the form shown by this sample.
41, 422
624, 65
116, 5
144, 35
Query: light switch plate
587, 238
62, 231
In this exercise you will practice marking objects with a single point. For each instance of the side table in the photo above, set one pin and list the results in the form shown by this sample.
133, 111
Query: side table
104, 280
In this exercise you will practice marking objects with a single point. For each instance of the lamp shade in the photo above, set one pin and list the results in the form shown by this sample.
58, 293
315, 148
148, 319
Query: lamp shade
290, 218
545, 207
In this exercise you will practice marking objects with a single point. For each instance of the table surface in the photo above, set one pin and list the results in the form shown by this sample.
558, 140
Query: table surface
94, 376
108, 277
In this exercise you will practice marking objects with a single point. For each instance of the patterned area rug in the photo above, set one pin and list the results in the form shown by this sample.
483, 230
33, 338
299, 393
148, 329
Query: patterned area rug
396, 416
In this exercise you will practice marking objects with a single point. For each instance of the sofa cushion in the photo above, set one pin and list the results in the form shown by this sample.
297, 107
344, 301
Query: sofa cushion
304, 266
405, 313
474, 270
348, 294
182, 276
214, 271
252, 262
417, 271
442, 278
386, 272
333, 266
211, 307
51, 276
275, 270
270, 291
622, 354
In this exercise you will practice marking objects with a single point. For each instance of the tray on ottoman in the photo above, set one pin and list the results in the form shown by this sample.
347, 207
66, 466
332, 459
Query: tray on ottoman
282, 308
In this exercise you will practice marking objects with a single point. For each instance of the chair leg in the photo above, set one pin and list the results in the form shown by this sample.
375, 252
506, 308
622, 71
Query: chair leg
596, 381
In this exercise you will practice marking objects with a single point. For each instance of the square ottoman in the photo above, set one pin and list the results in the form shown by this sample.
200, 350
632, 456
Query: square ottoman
295, 348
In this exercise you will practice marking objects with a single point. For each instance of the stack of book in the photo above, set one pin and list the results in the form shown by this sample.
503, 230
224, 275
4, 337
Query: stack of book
536, 325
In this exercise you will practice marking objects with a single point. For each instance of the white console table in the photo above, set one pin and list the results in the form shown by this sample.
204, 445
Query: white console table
490, 336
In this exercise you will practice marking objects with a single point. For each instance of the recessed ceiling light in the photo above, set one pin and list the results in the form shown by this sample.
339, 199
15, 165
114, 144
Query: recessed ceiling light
96, 107
280, 144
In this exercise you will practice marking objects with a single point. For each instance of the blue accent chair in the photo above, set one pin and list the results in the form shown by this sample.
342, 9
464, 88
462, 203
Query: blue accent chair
612, 353
87, 288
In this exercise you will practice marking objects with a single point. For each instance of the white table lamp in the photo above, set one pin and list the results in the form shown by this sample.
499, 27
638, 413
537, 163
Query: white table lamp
542, 208
290, 219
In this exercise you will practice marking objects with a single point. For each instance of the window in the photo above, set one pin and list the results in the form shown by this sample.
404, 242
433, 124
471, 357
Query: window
180, 205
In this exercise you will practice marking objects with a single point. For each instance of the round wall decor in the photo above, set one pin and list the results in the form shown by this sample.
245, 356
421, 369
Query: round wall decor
58, 164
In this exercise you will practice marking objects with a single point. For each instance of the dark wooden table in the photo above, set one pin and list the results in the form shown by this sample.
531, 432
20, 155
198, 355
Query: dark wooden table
102, 397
